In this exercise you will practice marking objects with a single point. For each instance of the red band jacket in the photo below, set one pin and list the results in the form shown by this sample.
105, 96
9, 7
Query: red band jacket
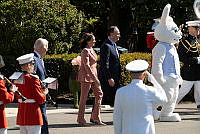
6, 97
30, 113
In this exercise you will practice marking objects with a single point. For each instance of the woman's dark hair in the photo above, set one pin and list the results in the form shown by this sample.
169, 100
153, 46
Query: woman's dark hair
85, 38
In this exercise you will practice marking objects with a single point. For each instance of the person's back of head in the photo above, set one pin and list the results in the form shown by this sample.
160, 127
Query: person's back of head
41, 46
137, 69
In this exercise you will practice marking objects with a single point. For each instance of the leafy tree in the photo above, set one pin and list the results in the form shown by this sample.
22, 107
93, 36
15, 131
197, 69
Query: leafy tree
133, 17
23, 21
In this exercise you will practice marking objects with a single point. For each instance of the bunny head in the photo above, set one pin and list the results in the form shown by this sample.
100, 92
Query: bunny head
167, 31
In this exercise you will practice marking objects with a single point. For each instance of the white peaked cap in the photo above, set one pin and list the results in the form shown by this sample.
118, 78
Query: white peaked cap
137, 66
193, 23
27, 58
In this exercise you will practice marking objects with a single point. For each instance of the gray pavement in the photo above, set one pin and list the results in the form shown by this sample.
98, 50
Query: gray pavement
63, 121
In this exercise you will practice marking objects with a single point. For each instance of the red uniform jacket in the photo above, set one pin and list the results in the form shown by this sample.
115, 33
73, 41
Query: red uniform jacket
6, 97
30, 113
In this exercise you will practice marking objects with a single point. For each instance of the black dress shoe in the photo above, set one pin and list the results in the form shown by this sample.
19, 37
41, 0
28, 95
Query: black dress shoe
198, 107
159, 108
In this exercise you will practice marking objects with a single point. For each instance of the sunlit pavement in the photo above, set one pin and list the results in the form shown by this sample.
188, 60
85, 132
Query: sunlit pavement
63, 121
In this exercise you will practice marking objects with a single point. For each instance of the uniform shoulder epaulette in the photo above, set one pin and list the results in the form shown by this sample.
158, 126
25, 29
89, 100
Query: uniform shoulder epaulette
35, 76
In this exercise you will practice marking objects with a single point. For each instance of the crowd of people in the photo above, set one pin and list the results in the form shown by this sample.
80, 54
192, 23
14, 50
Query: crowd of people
135, 104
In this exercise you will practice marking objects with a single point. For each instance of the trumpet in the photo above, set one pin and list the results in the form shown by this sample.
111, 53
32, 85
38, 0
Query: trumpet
17, 92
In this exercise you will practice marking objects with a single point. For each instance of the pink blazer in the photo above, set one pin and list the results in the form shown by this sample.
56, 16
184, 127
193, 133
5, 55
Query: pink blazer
88, 70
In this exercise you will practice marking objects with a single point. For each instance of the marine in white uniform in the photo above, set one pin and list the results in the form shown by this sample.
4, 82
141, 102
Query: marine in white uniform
134, 103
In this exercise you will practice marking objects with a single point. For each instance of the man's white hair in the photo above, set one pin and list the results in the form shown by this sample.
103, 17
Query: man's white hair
39, 43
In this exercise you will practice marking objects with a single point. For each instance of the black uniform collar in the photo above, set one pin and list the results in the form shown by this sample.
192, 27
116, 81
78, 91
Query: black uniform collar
191, 37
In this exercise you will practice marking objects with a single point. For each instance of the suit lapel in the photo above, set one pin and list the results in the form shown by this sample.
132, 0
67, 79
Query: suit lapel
93, 54
114, 49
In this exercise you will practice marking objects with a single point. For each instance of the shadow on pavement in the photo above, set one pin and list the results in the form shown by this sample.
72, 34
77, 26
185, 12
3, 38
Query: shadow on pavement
189, 113
89, 112
67, 125
14, 128
194, 119
77, 125
188, 108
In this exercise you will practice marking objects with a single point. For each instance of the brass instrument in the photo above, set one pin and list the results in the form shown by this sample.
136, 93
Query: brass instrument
198, 47
17, 92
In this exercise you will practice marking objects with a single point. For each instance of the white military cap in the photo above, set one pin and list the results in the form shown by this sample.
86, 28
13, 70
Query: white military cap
137, 66
195, 23
27, 58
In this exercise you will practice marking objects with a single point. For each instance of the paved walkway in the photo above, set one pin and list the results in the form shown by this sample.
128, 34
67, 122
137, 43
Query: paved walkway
63, 121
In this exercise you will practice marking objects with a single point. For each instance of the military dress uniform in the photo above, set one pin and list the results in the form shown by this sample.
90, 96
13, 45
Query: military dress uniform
134, 103
29, 116
5, 98
190, 71
29, 112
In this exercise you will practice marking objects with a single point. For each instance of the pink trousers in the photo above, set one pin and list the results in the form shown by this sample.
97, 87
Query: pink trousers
85, 87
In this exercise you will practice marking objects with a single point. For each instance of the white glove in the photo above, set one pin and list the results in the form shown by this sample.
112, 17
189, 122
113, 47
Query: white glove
160, 90
45, 91
198, 58
154, 82
13, 88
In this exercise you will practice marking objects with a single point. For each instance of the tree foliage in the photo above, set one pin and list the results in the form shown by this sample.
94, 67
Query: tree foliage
23, 21
133, 17
62, 22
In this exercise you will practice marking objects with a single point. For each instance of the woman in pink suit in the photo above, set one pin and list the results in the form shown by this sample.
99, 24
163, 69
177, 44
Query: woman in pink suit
88, 78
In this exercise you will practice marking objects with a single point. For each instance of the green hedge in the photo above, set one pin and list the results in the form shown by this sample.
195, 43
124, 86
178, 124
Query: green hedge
62, 65
59, 66
128, 57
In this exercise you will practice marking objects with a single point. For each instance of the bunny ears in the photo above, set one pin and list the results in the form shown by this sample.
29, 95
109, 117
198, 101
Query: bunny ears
165, 14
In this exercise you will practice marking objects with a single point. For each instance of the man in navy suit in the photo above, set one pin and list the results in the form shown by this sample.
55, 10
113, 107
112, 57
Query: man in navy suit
110, 68
40, 49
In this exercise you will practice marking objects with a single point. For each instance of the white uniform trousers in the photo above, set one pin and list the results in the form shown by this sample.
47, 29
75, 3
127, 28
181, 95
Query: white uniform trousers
3, 130
33, 129
186, 87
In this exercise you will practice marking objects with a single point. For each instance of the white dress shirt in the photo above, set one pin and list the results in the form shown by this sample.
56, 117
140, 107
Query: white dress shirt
133, 108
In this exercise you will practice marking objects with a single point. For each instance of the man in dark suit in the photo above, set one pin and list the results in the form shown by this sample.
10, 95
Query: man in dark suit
110, 68
40, 49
